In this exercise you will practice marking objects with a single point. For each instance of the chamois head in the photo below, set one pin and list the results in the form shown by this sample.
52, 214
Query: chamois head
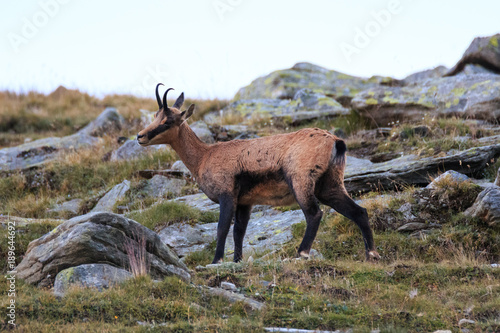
167, 120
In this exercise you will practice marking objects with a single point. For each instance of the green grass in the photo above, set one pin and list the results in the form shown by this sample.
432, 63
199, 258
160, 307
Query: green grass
169, 212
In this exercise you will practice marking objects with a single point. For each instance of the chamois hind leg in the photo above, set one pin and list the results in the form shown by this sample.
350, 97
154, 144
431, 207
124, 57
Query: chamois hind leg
240, 227
227, 204
338, 199
303, 191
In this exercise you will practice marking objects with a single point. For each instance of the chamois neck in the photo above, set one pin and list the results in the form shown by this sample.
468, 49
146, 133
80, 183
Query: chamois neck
189, 148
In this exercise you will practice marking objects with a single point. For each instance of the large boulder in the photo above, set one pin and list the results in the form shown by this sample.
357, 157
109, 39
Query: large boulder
471, 96
97, 238
98, 276
45, 150
305, 106
483, 51
284, 84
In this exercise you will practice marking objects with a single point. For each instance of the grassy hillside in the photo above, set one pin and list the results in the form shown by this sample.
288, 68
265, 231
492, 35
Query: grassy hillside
423, 283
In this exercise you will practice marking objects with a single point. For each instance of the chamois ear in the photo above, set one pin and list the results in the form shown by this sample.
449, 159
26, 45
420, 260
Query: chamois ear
188, 113
178, 103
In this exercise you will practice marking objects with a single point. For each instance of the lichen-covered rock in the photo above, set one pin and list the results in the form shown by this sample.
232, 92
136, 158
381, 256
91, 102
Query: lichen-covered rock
132, 150
267, 230
39, 152
473, 96
45, 150
97, 276
483, 51
96, 238
305, 106
109, 200
284, 84
487, 206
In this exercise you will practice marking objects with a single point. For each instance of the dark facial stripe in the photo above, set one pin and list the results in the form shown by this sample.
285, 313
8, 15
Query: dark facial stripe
160, 129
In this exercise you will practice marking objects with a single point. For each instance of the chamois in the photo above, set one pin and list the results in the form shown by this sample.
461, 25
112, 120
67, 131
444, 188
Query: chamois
306, 166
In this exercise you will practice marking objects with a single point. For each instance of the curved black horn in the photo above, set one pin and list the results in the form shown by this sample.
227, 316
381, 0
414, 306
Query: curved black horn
158, 99
165, 106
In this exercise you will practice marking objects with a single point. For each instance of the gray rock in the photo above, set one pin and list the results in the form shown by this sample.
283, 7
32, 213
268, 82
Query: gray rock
425, 75
305, 106
202, 131
180, 166
160, 186
184, 238
474, 96
487, 206
39, 152
228, 286
97, 276
132, 150
107, 122
266, 231
71, 207
96, 238
414, 170
483, 51
234, 297
284, 84
109, 200
450, 176
199, 201
415, 226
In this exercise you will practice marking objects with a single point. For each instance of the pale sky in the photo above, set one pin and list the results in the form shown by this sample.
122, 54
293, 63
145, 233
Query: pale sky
211, 48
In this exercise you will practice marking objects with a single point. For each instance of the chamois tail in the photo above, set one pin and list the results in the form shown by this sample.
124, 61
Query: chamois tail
338, 154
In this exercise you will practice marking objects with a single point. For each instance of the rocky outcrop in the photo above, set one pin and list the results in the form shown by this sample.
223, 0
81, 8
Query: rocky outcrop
305, 106
267, 230
483, 51
109, 200
97, 238
361, 176
473, 96
45, 150
425, 75
97, 276
284, 84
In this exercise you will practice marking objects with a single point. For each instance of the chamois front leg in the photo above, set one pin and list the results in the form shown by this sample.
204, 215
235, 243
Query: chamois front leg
239, 229
227, 207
